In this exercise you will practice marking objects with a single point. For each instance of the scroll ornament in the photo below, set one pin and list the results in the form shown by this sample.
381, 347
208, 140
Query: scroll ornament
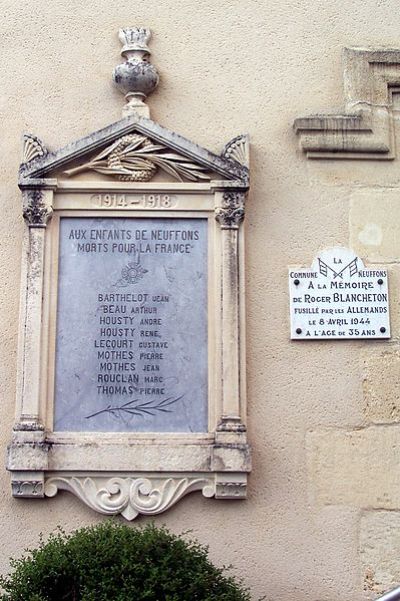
135, 158
128, 496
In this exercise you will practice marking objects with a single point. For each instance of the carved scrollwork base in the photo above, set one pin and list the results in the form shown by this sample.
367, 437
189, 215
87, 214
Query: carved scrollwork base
129, 496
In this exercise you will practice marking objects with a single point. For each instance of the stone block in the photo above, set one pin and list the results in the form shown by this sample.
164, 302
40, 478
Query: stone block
381, 375
375, 224
394, 299
379, 550
358, 468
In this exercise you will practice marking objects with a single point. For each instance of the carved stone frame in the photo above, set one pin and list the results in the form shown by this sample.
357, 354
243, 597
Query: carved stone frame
130, 473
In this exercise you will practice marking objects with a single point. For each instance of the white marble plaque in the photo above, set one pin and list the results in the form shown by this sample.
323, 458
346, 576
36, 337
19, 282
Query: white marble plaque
131, 345
338, 297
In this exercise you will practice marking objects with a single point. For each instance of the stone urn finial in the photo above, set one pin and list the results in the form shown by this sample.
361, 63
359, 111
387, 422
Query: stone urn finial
136, 78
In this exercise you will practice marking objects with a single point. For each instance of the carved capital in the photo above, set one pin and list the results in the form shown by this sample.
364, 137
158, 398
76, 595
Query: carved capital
129, 496
35, 210
231, 213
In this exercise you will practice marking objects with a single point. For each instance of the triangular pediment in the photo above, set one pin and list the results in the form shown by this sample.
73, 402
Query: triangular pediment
134, 149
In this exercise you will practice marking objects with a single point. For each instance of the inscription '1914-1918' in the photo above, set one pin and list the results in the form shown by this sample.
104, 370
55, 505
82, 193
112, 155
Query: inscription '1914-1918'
132, 299
147, 201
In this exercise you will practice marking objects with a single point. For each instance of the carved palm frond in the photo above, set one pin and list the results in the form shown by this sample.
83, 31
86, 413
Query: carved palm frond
137, 408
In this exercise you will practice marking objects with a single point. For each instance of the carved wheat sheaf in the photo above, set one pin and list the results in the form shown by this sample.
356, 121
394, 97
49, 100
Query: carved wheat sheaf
128, 496
136, 158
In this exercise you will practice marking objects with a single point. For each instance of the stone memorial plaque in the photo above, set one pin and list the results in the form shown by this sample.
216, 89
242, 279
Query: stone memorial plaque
339, 298
132, 257
131, 342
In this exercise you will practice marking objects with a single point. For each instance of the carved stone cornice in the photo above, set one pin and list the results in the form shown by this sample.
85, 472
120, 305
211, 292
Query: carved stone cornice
364, 129
36, 211
231, 213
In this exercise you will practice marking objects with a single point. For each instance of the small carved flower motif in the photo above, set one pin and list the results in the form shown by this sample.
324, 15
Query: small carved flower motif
131, 273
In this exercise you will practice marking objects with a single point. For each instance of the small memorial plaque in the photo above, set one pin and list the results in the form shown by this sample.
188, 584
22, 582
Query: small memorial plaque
131, 346
339, 298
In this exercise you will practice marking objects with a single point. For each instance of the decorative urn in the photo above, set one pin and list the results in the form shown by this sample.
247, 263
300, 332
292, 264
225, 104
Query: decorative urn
137, 77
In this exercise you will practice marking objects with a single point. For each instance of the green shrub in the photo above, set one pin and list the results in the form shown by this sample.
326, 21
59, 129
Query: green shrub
111, 562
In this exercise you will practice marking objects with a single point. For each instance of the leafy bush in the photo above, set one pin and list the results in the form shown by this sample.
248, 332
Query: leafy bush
111, 562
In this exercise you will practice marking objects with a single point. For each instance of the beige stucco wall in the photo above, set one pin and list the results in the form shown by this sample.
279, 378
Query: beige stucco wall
322, 519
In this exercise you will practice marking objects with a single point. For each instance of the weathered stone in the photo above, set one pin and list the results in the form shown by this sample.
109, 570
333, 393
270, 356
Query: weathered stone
364, 130
379, 550
375, 224
381, 376
394, 294
356, 468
